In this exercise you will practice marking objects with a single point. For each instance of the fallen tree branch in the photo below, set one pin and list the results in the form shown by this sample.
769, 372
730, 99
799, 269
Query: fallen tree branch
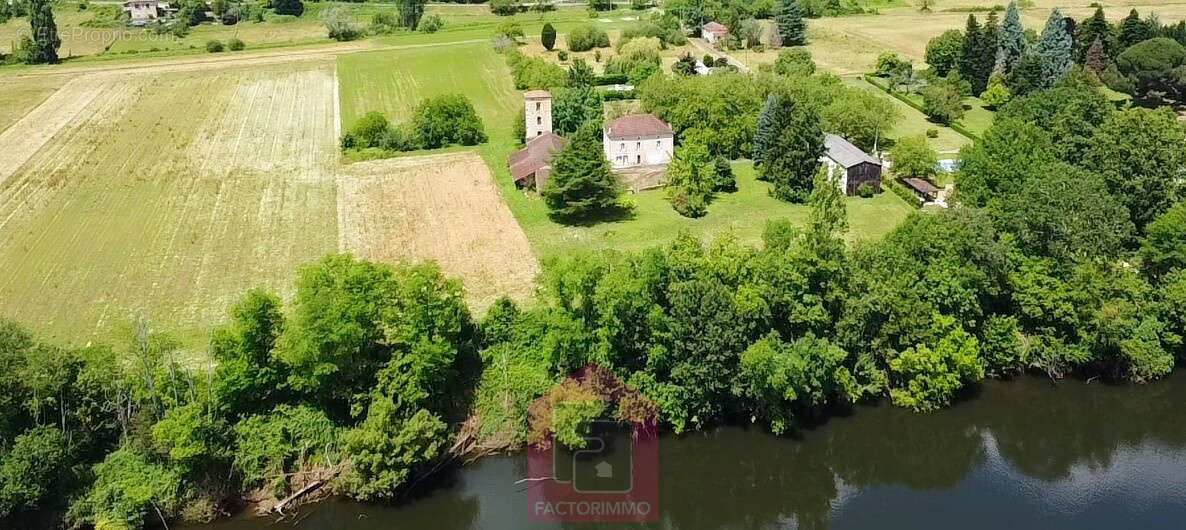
309, 488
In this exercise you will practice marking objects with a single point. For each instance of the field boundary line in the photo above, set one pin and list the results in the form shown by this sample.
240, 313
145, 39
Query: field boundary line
28, 135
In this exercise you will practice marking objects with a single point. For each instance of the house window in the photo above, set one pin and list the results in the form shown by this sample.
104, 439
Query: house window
638, 145
638, 159
658, 143
539, 120
622, 146
536, 105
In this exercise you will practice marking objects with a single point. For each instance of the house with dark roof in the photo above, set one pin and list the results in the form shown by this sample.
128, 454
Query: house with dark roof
714, 32
638, 140
858, 167
531, 166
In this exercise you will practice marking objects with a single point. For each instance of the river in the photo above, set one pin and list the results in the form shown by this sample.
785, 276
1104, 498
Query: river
1020, 454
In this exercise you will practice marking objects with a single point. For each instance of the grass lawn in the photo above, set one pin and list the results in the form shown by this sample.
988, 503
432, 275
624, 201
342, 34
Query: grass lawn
915, 123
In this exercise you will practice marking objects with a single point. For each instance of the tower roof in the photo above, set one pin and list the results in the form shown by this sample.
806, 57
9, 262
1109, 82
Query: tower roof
537, 94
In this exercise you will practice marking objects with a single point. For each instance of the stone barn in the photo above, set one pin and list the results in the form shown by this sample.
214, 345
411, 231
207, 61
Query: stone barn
531, 166
715, 32
638, 140
859, 168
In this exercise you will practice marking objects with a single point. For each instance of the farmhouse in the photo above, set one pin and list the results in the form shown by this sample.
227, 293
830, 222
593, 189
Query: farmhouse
715, 32
859, 167
141, 12
638, 140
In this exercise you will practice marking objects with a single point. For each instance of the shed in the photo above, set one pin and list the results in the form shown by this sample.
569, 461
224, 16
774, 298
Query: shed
531, 166
925, 190
859, 167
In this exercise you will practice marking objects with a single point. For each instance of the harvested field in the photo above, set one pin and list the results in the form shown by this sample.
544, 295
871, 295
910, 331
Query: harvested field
20, 95
441, 207
169, 195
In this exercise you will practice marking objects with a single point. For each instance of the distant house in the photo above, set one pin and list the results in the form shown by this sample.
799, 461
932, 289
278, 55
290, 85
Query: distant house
532, 165
638, 140
859, 168
141, 12
715, 32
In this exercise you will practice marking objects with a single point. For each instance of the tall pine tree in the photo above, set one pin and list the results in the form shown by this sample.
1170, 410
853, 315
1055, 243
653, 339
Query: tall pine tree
971, 54
581, 185
791, 158
1055, 50
1094, 28
45, 33
986, 54
1011, 43
792, 29
1132, 31
765, 124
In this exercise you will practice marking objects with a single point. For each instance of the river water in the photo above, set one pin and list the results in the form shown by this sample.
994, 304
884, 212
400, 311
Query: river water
1020, 454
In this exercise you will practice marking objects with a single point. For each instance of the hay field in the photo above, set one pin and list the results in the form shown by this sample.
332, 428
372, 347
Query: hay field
169, 195
439, 207
19, 95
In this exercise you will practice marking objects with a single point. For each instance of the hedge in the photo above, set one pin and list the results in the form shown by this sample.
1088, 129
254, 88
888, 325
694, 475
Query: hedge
904, 193
611, 79
613, 95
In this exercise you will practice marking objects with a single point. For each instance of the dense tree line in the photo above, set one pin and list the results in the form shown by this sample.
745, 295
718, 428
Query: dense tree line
438, 121
1142, 57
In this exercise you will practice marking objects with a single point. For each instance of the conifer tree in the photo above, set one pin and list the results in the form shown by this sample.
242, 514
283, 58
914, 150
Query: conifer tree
792, 155
45, 33
581, 185
1055, 50
1132, 30
765, 123
986, 54
1094, 28
547, 36
792, 30
971, 55
1012, 44
1096, 59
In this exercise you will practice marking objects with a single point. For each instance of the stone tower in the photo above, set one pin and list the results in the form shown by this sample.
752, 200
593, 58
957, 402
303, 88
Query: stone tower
538, 113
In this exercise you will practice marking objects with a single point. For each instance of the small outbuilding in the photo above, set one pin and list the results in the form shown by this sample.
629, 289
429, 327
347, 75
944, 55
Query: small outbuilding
638, 140
925, 190
141, 12
714, 32
859, 167
531, 166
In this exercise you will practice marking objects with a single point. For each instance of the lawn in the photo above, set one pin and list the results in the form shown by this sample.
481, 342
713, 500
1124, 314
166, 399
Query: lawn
168, 196
915, 123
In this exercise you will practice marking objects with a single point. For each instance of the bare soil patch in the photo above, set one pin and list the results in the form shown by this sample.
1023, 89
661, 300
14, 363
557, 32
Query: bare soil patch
440, 207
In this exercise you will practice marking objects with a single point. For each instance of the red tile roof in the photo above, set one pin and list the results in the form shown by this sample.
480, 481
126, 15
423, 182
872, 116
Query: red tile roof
637, 125
715, 27
537, 154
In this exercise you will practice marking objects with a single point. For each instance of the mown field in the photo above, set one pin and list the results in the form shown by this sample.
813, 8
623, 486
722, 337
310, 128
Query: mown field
167, 196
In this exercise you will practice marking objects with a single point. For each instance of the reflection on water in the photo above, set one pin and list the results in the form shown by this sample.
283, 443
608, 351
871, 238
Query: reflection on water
1023, 454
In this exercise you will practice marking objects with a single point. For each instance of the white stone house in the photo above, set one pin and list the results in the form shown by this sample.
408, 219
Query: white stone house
141, 12
638, 140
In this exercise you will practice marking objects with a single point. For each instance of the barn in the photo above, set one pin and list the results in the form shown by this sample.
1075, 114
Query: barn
859, 167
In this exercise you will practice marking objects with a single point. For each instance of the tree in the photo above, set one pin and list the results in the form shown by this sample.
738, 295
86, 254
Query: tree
1163, 250
750, 32
581, 185
792, 29
794, 62
130, 488
31, 468
45, 33
685, 65
997, 93
547, 36
248, 378
573, 107
765, 131
1055, 50
944, 52
860, 116
1096, 28
690, 179
295, 7
580, 74
1132, 30
410, 13
723, 179
388, 449
927, 376
986, 54
972, 46
447, 119
913, 157
780, 379
1096, 57
1154, 70
942, 103
791, 157
1012, 39
1139, 153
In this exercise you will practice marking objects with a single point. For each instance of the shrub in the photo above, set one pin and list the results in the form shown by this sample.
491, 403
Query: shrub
866, 190
374, 131
504, 7
235, 44
383, 23
547, 37
688, 204
340, 25
213, 46
510, 29
447, 119
432, 24
932, 133
586, 37
942, 103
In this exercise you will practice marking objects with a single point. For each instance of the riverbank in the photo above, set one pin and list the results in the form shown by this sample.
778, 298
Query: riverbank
1024, 454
